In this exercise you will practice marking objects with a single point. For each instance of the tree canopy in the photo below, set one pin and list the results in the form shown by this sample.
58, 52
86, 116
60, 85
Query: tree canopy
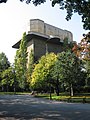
21, 62
42, 72
7, 79
69, 69
82, 50
3, 1
4, 63
82, 7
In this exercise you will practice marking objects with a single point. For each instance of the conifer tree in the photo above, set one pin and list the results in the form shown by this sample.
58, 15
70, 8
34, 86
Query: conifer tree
30, 66
21, 63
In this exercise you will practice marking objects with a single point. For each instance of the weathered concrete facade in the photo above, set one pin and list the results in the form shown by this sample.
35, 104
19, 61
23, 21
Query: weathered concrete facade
42, 37
40, 26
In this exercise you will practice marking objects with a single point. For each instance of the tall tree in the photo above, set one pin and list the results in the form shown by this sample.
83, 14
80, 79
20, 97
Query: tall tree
4, 64
69, 69
30, 66
41, 76
87, 66
82, 51
21, 63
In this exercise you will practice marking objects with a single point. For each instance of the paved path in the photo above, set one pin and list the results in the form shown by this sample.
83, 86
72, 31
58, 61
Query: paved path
26, 107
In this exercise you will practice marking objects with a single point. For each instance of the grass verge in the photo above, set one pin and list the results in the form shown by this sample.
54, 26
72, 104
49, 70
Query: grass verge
14, 93
67, 98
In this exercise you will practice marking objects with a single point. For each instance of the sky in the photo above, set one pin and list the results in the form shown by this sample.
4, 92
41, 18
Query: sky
15, 17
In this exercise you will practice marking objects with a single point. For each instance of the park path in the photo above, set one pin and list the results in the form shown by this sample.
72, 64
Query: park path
27, 107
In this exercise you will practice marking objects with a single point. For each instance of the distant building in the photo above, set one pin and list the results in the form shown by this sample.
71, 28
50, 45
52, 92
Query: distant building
43, 38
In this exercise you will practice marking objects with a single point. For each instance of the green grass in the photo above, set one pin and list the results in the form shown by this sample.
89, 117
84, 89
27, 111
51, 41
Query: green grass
13, 93
80, 98
66, 98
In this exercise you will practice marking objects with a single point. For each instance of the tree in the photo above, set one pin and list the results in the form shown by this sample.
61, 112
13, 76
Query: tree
21, 63
84, 46
82, 51
3, 1
69, 69
35, 2
67, 45
87, 69
41, 76
30, 66
56, 76
7, 78
82, 7
4, 63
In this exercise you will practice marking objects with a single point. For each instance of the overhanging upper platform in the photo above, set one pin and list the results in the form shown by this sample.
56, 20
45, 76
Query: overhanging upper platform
47, 38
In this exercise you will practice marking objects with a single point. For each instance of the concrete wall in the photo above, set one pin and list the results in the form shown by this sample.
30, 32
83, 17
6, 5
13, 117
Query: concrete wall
39, 44
30, 46
37, 25
40, 48
54, 47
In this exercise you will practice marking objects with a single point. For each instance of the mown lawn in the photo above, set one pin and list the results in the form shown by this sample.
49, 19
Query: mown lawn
13, 93
78, 98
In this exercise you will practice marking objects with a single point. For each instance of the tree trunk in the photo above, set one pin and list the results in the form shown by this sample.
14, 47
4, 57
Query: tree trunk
50, 91
71, 90
2, 88
7, 88
57, 87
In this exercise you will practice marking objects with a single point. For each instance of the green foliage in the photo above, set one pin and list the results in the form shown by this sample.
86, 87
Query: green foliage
87, 68
69, 69
7, 77
30, 66
82, 7
21, 62
35, 2
42, 72
67, 45
78, 98
65, 70
3, 1
4, 63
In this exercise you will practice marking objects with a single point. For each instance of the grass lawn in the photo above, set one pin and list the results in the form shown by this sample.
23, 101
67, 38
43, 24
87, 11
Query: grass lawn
82, 98
14, 93
79, 98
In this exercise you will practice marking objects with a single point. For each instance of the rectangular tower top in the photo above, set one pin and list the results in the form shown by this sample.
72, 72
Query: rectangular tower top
37, 25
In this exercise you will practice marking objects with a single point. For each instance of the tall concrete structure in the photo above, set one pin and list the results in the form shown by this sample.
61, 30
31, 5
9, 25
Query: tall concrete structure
39, 26
42, 38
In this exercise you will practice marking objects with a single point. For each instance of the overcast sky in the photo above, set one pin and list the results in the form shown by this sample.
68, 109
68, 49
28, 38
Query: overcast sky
15, 16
